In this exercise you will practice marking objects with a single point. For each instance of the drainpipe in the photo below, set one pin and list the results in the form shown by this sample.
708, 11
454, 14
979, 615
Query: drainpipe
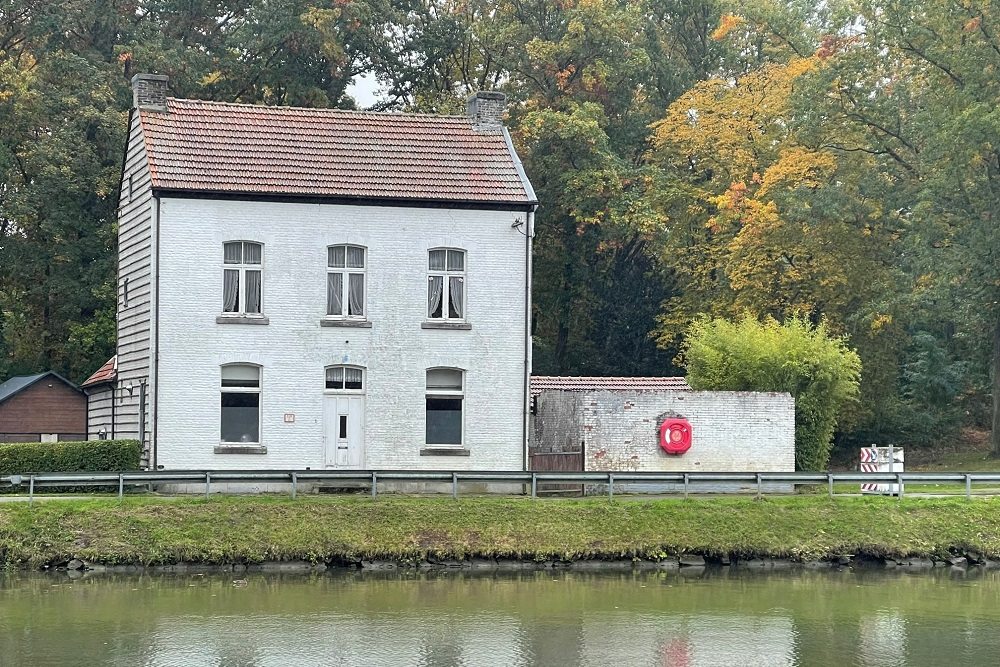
529, 232
155, 271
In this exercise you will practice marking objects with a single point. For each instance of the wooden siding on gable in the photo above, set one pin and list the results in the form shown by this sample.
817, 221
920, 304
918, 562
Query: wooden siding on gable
135, 264
99, 412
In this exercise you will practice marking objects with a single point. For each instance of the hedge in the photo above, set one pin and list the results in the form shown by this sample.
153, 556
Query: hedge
91, 455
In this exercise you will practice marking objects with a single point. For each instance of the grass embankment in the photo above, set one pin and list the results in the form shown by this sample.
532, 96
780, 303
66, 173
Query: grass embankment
249, 530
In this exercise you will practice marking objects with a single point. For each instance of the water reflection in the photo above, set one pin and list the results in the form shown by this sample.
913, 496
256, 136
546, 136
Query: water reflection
708, 618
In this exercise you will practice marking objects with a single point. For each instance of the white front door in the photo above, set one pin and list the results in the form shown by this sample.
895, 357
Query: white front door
345, 430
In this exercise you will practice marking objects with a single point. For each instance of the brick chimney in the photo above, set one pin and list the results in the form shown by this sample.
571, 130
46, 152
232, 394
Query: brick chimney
485, 110
149, 91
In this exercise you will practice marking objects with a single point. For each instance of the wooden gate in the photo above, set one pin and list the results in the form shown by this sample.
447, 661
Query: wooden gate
557, 462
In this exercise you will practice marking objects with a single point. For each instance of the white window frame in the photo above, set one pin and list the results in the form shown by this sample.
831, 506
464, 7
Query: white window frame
345, 283
259, 390
446, 275
364, 379
445, 393
243, 268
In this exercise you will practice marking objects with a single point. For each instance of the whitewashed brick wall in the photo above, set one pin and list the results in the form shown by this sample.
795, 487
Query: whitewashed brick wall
731, 431
293, 349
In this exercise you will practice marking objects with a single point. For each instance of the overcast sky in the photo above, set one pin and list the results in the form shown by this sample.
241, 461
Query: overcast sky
364, 90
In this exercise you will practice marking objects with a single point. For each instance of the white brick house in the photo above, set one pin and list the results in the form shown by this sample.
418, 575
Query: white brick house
312, 288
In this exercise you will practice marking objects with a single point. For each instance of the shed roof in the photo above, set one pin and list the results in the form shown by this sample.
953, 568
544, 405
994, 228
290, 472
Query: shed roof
216, 147
18, 383
106, 373
540, 383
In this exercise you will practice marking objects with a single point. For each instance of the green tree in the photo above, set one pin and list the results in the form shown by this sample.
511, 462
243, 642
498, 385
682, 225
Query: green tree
817, 369
916, 89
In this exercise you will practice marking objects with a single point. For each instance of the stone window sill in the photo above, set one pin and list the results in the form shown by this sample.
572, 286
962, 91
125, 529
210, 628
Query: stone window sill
240, 449
241, 319
454, 326
444, 451
352, 324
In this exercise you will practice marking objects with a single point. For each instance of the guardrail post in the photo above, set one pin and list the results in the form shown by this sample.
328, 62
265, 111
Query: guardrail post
685, 486
31, 489
968, 487
899, 481
454, 485
534, 485
611, 486
295, 479
208, 484
758, 486
374, 485
121, 486
829, 482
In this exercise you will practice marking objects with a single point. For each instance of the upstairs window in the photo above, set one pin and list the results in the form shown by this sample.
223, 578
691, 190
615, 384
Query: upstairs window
345, 281
446, 284
241, 278
444, 399
241, 404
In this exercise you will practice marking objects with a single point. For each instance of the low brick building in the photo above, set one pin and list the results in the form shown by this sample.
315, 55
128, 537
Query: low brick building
614, 424
45, 407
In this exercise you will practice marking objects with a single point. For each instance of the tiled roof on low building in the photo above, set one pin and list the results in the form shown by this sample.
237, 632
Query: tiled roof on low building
540, 383
221, 148
106, 373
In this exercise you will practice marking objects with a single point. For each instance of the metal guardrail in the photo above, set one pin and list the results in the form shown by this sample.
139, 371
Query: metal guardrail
685, 480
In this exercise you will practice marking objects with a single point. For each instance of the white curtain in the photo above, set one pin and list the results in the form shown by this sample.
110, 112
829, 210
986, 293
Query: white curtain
232, 253
352, 378
335, 377
437, 260
456, 260
251, 253
253, 291
335, 256
230, 290
335, 294
356, 294
456, 297
434, 288
355, 257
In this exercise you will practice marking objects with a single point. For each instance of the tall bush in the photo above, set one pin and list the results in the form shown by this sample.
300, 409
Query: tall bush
90, 456
818, 369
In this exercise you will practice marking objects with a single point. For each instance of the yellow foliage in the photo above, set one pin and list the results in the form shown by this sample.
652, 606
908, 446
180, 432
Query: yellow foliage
726, 24
797, 167
881, 321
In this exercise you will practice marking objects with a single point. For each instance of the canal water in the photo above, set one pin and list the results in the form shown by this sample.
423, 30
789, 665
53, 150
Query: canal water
552, 617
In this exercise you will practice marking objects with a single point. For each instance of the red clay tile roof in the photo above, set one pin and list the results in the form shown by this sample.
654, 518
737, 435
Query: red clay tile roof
540, 383
242, 148
106, 373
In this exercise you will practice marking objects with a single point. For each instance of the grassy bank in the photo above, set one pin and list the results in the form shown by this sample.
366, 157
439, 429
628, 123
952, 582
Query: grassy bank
248, 530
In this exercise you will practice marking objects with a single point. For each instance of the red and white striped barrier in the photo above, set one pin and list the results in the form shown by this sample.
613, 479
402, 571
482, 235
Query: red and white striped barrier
881, 459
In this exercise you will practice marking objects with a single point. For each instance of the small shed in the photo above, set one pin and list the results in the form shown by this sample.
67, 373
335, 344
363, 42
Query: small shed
100, 390
42, 408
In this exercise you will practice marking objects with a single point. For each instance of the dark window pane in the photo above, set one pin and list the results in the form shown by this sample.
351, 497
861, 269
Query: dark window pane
343, 426
335, 377
240, 417
444, 421
253, 292
240, 376
251, 253
353, 378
